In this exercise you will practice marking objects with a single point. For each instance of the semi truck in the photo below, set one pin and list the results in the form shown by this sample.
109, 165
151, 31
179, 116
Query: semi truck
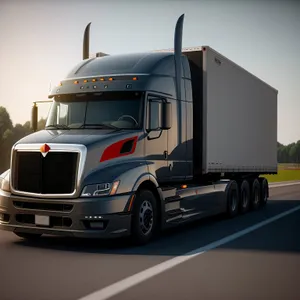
137, 143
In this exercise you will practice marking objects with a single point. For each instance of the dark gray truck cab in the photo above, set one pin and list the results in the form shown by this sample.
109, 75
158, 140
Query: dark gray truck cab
121, 153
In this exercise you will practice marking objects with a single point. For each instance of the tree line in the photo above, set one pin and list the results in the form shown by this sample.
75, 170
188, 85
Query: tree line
10, 134
289, 153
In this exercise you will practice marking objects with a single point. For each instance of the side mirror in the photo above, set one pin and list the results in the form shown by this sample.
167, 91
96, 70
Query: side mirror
34, 117
166, 116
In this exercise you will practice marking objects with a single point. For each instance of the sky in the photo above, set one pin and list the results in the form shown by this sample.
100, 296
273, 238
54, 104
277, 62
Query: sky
41, 41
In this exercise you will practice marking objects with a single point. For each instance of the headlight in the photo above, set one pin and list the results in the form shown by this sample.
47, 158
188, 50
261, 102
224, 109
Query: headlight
4, 181
101, 189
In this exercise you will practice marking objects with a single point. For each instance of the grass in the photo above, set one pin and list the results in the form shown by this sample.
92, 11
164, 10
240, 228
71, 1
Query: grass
286, 172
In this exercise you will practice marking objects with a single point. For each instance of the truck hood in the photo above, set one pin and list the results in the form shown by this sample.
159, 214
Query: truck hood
74, 136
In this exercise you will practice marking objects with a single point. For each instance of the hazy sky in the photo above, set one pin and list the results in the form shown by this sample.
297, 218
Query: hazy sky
40, 41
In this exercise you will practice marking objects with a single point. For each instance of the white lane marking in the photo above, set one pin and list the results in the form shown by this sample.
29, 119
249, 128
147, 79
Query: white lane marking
125, 284
279, 184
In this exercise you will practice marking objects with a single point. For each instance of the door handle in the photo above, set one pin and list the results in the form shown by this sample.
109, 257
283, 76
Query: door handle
166, 154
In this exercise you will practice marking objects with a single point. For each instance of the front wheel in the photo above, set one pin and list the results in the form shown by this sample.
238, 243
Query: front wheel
144, 217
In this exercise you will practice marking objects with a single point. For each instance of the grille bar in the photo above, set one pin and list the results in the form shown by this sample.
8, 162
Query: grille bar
43, 206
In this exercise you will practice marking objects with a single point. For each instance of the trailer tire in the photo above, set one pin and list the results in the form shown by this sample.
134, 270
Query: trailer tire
264, 187
255, 195
144, 222
232, 199
28, 236
245, 196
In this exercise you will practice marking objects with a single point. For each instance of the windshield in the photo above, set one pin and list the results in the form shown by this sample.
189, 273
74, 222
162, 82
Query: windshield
102, 110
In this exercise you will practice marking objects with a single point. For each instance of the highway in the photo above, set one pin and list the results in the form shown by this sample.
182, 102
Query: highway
211, 259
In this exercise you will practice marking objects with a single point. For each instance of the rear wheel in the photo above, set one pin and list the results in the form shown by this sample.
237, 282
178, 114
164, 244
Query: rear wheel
28, 236
144, 217
264, 189
244, 197
255, 195
233, 199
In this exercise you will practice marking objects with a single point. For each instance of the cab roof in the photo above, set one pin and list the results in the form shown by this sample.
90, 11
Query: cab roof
158, 63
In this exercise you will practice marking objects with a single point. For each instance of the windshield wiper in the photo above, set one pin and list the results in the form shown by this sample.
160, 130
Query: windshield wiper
57, 126
100, 125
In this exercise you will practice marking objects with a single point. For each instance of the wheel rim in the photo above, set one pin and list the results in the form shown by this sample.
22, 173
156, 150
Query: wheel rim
244, 199
233, 201
146, 217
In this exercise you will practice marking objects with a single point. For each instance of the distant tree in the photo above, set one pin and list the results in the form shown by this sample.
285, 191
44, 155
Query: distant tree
5, 122
41, 124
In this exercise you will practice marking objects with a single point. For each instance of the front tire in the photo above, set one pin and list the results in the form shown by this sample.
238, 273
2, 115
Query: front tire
144, 217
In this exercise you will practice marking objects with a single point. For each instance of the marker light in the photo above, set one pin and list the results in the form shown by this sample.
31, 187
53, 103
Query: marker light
94, 79
101, 79
110, 79
134, 78
76, 82
114, 187
60, 84
85, 80
184, 186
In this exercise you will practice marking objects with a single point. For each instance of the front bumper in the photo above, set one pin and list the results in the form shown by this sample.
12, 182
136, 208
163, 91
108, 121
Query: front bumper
69, 217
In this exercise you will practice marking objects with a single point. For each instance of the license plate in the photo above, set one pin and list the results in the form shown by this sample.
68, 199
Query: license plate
42, 220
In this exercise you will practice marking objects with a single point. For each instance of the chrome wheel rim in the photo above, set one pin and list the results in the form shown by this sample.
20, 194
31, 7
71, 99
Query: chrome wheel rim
146, 217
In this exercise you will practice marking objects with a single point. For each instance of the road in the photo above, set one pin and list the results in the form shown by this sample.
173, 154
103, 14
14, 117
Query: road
262, 264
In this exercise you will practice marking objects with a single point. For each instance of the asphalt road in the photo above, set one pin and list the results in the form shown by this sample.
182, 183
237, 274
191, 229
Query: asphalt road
263, 264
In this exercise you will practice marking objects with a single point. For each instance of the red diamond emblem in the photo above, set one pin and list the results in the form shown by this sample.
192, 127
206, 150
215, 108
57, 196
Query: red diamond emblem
45, 149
